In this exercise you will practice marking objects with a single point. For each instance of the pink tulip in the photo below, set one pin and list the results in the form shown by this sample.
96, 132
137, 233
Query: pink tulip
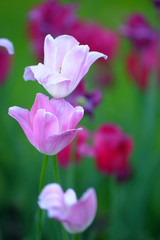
50, 124
75, 215
65, 64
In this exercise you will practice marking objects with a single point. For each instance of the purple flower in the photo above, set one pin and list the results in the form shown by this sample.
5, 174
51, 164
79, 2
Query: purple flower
50, 124
138, 30
88, 100
65, 64
75, 215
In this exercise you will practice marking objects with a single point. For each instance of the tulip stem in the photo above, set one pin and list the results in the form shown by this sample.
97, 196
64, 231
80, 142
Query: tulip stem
76, 237
44, 165
55, 168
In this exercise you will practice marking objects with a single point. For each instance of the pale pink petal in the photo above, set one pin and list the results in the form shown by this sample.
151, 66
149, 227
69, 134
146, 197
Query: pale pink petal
73, 64
64, 44
91, 58
22, 117
76, 116
67, 115
41, 102
52, 199
45, 124
70, 197
29, 73
58, 90
49, 192
7, 44
41, 73
56, 143
82, 213
50, 52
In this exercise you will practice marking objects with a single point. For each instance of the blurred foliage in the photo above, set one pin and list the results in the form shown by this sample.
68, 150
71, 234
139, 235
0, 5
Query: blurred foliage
126, 211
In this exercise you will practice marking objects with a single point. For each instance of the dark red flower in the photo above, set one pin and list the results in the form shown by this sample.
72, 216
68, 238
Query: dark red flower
112, 150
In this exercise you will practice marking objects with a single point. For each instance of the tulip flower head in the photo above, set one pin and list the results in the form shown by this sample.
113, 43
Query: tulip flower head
112, 150
6, 49
50, 124
65, 64
75, 215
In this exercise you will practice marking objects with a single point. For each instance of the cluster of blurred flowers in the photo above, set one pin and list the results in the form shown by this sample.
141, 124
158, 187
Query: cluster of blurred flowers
143, 59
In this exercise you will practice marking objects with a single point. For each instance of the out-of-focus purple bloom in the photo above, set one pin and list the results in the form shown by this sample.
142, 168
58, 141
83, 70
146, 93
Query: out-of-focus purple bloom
50, 17
6, 49
55, 18
138, 30
157, 4
75, 215
89, 101
87, 32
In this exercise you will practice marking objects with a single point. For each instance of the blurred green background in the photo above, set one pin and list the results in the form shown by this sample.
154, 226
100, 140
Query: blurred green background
126, 211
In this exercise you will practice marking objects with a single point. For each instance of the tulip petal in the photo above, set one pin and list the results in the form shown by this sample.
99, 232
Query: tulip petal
50, 52
64, 44
45, 124
29, 73
70, 197
67, 115
49, 192
82, 213
7, 44
22, 117
56, 143
75, 117
91, 58
73, 64
41, 102
58, 90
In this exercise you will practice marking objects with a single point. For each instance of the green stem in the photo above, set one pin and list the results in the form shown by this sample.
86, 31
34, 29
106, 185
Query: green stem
57, 180
55, 168
45, 160
76, 237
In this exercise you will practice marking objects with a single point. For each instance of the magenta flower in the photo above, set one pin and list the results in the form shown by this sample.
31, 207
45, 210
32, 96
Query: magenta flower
65, 64
6, 49
75, 215
50, 124
113, 149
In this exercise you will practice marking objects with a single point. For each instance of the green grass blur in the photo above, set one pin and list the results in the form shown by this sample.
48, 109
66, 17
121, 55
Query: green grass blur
126, 211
